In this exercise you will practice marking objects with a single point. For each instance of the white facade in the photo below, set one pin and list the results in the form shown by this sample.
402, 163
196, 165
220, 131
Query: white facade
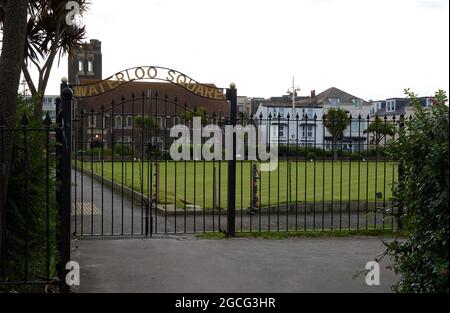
284, 127
354, 137
311, 131
48, 105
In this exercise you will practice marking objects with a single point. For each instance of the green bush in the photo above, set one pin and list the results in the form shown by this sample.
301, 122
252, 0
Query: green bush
27, 204
96, 152
123, 149
422, 151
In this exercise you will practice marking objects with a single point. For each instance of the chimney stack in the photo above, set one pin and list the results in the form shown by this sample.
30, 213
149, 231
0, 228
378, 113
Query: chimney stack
313, 93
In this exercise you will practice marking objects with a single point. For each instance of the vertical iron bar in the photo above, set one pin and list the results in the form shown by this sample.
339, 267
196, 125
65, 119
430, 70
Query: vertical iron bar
27, 209
306, 169
47, 191
165, 162
133, 104
102, 156
231, 96
359, 170
122, 119
113, 152
93, 119
65, 174
350, 171
367, 175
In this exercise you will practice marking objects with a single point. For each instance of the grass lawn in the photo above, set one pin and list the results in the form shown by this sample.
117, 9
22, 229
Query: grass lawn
309, 234
193, 181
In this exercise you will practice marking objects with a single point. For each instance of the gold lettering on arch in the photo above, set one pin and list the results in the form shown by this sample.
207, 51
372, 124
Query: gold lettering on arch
148, 72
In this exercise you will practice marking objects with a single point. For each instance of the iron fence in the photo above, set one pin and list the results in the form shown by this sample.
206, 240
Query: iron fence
29, 213
107, 170
125, 181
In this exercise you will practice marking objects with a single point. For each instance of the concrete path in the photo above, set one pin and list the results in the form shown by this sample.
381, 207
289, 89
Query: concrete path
187, 264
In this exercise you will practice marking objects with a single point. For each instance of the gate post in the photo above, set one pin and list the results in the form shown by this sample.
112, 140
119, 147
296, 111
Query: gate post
64, 171
231, 212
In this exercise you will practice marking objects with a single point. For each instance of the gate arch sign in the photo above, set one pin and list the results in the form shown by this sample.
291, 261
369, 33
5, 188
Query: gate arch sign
148, 72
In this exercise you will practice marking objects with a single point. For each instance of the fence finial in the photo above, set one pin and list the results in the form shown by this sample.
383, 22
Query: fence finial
47, 120
24, 121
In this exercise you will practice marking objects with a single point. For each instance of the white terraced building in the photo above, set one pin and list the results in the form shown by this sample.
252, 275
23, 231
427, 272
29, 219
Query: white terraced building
309, 128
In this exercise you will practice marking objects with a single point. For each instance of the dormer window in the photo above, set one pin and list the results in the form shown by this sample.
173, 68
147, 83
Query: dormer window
334, 101
430, 102
357, 103
390, 106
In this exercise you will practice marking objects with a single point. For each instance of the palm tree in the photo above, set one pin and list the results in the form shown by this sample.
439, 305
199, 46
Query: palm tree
48, 37
336, 120
13, 22
380, 130
188, 116
150, 129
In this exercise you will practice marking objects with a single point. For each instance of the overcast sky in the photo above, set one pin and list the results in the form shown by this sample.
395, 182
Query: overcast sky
372, 49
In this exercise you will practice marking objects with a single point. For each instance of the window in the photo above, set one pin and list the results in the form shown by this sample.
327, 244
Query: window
281, 132
281, 112
130, 121
91, 120
176, 120
310, 113
307, 131
80, 66
104, 122
357, 103
390, 105
118, 122
334, 101
160, 121
430, 102
356, 126
273, 131
90, 66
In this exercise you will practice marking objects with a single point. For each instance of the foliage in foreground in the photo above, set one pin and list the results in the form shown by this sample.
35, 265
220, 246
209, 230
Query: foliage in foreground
27, 204
422, 149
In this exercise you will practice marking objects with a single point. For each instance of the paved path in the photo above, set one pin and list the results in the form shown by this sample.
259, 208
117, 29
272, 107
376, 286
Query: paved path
186, 264
106, 212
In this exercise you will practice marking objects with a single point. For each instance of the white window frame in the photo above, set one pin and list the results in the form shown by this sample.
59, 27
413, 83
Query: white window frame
116, 121
80, 65
92, 121
129, 122
390, 105
334, 102
90, 66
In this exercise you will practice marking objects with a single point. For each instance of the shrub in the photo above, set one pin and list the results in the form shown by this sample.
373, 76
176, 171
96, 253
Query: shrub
422, 152
29, 206
96, 152
123, 149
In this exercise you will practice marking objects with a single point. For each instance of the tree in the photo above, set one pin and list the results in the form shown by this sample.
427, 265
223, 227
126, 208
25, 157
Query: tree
336, 120
188, 116
13, 22
380, 129
48, 36
421, 148
150, 127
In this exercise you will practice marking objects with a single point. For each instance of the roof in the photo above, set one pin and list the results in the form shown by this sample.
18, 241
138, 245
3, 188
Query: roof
334, 92
317, 101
